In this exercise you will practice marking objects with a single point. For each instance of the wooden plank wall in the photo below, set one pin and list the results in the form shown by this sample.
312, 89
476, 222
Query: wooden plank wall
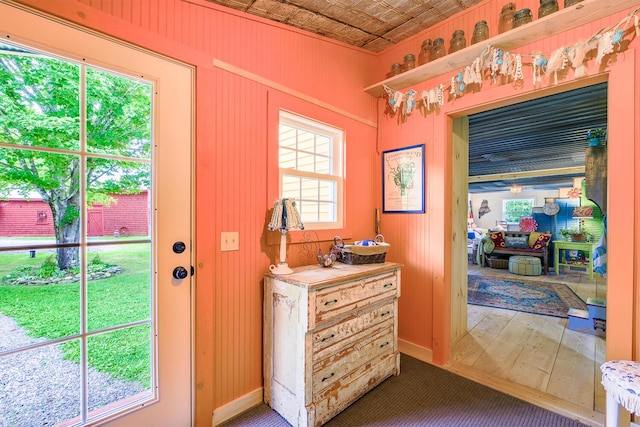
232, 171
274, 66
428, 275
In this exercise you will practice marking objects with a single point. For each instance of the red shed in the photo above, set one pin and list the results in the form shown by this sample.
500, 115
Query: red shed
127, 215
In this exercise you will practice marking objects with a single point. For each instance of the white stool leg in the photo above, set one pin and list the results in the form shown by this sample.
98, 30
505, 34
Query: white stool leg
613, 412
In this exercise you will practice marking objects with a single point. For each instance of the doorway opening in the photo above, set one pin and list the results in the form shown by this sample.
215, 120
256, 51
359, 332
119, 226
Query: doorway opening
523, 351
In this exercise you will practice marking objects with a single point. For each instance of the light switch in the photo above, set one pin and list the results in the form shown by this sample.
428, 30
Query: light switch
229, 241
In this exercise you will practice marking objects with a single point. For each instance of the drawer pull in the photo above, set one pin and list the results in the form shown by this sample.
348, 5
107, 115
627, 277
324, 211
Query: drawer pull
326, 378
328, 338
388, 285
384, 344
386, 313
331, 302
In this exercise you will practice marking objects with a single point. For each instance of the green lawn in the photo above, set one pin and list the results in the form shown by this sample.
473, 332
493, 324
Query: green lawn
52, 311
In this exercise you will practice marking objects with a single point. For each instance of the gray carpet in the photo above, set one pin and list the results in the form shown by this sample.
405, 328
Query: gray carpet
425, 395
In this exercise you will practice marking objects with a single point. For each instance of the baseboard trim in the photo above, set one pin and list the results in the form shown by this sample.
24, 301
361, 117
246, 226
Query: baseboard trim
238, 406
415, 351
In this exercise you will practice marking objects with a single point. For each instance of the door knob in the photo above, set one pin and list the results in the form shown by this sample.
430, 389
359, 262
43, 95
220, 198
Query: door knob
180, 273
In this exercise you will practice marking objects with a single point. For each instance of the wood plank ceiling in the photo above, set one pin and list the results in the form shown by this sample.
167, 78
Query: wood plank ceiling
370, 24
546, 133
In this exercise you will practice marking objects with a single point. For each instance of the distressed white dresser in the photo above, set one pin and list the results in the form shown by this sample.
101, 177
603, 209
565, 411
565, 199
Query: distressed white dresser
330, 336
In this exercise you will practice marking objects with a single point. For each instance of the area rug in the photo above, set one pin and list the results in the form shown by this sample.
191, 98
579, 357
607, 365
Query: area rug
547, 298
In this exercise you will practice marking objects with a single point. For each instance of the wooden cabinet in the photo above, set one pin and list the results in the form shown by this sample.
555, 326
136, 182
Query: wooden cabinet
330, 336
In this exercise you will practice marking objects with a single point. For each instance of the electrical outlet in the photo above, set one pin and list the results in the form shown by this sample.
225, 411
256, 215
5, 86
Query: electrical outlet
229, 241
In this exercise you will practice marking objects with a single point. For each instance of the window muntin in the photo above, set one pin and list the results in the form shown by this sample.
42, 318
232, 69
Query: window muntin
513, 209
311, 164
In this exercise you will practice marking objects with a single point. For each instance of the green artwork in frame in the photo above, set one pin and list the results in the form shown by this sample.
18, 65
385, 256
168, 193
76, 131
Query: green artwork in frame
403, 180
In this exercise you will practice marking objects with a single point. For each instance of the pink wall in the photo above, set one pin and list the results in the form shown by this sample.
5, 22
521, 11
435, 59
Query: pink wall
261, 66
427, 271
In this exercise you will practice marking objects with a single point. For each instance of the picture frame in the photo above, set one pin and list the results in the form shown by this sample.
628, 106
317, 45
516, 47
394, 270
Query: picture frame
403, 180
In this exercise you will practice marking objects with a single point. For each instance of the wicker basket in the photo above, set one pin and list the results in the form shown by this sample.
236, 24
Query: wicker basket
359, 254
498, 263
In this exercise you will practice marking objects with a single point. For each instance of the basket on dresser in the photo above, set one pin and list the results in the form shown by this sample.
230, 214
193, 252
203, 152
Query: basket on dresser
363, 252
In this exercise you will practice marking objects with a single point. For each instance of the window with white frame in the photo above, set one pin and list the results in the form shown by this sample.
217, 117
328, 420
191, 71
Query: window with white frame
513, 209
311, 169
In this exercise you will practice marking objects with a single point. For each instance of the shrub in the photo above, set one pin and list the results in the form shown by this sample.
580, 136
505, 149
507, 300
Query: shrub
96, 264
48, 269
21, 271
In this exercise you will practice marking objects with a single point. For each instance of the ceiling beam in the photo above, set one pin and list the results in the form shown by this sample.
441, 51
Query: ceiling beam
527, 174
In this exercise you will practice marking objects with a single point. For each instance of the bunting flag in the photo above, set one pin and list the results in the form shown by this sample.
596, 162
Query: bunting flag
494, 63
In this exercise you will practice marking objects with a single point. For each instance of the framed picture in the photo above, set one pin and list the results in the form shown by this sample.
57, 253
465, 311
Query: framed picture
403, 180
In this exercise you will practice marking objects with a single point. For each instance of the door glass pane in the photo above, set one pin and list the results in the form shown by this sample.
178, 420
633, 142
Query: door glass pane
118, 115
119, 199
40, 98
39, 386
41, 189
45, 308
125, 381
119, 285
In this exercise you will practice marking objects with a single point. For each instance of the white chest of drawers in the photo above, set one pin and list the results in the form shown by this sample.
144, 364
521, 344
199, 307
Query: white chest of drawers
330, 336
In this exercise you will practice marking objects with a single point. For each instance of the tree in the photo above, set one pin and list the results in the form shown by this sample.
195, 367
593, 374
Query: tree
41, 114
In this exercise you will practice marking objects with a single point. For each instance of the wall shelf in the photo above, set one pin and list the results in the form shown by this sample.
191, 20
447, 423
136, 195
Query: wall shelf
555, 23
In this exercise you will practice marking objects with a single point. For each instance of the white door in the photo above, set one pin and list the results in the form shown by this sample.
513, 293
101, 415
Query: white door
162, 238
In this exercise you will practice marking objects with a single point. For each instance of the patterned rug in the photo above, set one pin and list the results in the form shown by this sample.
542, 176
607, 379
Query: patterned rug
550, 299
